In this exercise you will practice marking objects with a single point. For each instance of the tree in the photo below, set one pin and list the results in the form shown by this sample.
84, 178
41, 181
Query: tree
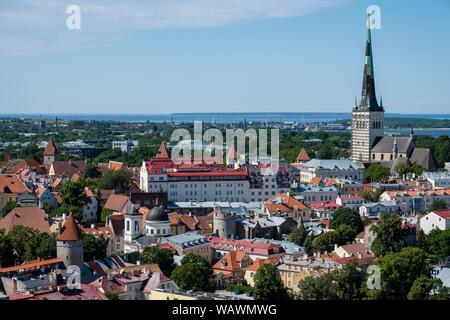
94, 247
9, 206
299, 235
403, 168
324, 242
388, 235
347, 216
308, 244
6, 250
350, 281
438, 244
318, 288
372, 196
72, 194
267, 284
92, 172
162, 257
111, 295
428, 288
120, 181
377, 172
193, 274
42, 245
106, 212
417, 169
19, 236
345, 234
399, 270
438, 204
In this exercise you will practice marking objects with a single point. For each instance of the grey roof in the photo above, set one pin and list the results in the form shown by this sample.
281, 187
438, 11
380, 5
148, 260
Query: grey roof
396, 162
188, 239
157, 213
332, 164
288, 246
268, 222
386, 144
423, 157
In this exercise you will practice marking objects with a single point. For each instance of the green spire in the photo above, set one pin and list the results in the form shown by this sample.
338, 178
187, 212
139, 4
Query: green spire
368, 95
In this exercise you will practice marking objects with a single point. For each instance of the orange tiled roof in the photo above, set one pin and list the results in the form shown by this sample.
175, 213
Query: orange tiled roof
11, 183
70, 230
163, 153
31, 217
50, 150
284, 203
303, 155
260, 262
31, 265
232, 261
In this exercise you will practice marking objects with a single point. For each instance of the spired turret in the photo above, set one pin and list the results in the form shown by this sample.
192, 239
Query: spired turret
367, 115
69, 244
224, 223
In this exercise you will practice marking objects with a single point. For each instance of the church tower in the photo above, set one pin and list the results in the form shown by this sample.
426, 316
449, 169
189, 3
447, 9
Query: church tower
368, 115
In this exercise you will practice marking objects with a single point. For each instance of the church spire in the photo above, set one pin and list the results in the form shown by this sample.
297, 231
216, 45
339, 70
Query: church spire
368, 94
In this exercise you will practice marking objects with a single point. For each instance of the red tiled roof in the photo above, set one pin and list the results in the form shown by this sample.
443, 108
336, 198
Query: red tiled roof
70, 230
303, 155
31, 217
249, 246
116, 202
26, 163
50, 149
284, 203
213, 173
445, 214
260, 262
11, 183
231, 261
31, 265
163, 153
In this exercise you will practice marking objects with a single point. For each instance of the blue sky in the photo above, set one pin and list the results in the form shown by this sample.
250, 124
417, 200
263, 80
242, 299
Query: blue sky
167, 56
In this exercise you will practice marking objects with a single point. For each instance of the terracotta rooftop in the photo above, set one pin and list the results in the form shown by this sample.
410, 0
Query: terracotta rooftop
50, 150
70, 230
443, 214
11, 183
303, 155
116, 202
31, 217
163, 153
31, 265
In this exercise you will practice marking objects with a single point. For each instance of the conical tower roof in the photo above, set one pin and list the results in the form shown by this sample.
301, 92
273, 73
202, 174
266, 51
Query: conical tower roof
70, 231
163, 153
50, 150
303, 155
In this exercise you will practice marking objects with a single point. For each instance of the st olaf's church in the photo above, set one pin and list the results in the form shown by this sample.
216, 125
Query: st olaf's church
369, 144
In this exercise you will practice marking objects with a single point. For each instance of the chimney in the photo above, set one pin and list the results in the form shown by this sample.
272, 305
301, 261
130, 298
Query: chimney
64, 217
92, 226
335, 246
359, 255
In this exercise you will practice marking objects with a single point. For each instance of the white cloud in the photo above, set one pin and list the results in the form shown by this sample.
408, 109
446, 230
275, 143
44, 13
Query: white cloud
24, 17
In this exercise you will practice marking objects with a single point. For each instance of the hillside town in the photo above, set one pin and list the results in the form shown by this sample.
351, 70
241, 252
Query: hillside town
371, 223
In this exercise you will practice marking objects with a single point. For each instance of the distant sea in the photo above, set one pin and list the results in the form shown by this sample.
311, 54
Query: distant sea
239, 117
219, 117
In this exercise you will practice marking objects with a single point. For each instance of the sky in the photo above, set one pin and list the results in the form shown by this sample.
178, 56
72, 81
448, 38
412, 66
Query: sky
171, 56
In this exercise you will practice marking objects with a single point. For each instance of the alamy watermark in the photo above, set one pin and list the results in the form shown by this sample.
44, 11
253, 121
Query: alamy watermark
235, 139
373, 17
73, 21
